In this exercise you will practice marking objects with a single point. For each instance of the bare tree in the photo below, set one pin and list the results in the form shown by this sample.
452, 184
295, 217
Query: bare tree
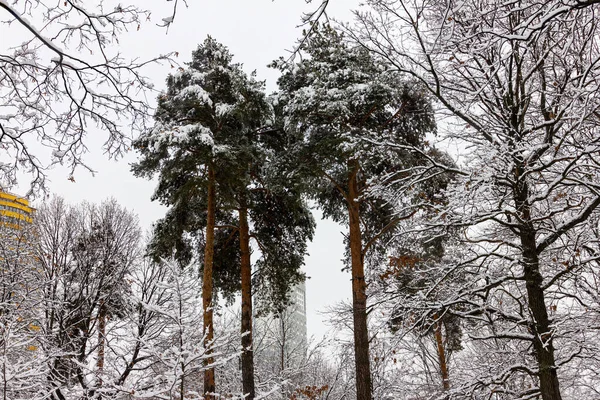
66, 74
105, 251
85, 253
296, 368
22, 361
518, 83
173, 344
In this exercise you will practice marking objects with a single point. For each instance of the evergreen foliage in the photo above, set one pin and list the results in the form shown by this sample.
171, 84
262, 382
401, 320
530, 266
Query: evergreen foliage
205, 117
213, 113
345, 106
347, 111
212, 145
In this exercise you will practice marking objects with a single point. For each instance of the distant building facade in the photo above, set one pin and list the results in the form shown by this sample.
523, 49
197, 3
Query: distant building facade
16, 233
20, 280
280, 341
14, 210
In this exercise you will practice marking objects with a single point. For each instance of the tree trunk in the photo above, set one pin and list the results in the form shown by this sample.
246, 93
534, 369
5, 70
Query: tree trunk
101, 343
540, 325
437, 330
246, 272
359, 290
181, 344
282, 351
282, 348
207, 285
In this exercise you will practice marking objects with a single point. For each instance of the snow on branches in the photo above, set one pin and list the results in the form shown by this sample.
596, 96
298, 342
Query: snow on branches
518, 86
65, 77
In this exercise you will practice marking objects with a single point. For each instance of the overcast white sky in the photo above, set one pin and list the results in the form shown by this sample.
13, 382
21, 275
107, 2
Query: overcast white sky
256, 32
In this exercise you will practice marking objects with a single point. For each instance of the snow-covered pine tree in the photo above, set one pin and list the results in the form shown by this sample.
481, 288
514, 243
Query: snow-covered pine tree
341, 103
197, 119
211, 148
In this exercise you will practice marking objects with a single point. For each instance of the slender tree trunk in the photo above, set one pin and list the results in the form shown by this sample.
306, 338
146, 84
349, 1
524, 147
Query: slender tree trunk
282, 352
207, 285
359, 291
540, 326
182, 384
4, 380
246, 272
437, 330
283, 342
101, 343
182, 364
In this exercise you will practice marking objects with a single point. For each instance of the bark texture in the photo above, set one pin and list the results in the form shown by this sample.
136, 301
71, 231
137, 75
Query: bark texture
540, 325
441, 350
359, 291
207, 285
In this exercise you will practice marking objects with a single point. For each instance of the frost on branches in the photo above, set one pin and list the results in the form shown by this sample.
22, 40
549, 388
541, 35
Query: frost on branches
83, 316
22, 363
63, 78
518, 83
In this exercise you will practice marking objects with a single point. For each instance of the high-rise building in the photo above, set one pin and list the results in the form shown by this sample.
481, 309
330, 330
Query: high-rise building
16, 217
15, 210
19, 279
280, 341
297, 317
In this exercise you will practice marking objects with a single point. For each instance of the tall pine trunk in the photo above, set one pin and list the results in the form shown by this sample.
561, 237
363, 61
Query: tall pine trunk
359, 290
246, 272
441, 350
540, 326
181, 344
207, 285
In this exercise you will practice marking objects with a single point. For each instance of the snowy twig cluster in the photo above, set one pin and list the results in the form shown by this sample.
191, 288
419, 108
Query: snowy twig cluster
66, 78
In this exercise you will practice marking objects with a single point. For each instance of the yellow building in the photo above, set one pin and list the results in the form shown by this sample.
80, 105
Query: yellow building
15, 210
19, 280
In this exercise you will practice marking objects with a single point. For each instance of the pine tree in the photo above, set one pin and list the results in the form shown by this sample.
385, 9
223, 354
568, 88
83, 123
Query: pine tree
343, 105
211, 148
281, 224
203, 109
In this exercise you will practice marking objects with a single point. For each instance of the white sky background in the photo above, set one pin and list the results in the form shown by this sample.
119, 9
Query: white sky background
256, 32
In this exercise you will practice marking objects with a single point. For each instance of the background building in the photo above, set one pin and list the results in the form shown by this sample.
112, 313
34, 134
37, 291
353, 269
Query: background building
15, 210
280, 340
20, 281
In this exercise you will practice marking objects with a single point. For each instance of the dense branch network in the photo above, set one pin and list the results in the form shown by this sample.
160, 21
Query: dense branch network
53, 92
